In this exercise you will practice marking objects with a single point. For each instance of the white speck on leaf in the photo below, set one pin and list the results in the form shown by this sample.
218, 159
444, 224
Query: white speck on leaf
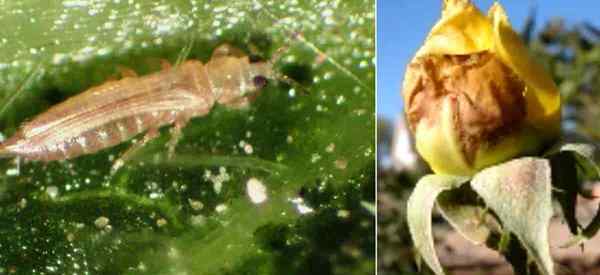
101, 222
256, 190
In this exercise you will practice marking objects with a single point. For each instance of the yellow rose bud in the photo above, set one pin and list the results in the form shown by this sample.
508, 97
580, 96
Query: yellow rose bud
474, 97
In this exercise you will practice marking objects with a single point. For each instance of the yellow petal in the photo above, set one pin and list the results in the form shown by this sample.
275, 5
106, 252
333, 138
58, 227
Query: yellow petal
543, 98
463, 29
439, 145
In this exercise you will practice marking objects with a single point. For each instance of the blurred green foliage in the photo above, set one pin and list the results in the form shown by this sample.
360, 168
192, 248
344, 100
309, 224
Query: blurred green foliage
572, 55
311, 144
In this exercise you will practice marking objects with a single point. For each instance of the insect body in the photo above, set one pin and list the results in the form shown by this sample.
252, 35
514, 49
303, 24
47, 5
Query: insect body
115, 111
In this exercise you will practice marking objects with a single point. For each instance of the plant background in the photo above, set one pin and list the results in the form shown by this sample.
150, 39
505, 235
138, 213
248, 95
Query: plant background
570, 50
310, 144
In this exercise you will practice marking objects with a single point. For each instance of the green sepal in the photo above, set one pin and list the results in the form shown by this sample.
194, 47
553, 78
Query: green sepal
519, 192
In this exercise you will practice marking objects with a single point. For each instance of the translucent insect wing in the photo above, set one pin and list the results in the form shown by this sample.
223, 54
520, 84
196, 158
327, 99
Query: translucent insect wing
95, 98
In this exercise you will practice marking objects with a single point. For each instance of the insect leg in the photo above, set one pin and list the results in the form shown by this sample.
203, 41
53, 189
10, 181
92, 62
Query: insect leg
150, 135
185, 52
18, 161
165, 64
176, 135
126, 72
180, 59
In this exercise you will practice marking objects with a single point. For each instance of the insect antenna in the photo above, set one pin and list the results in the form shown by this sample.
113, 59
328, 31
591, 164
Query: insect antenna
31, 77
290, 81
277, 55
281, 23
183, 55
185, 52
283, 77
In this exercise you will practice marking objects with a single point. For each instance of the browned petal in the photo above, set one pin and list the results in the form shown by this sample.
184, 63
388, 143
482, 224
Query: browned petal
486, 96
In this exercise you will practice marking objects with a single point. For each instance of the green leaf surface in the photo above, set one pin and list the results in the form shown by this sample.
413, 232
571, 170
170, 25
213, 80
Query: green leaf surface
519, 192
583, 154
419, 210
310, 145
573, 165
567, 185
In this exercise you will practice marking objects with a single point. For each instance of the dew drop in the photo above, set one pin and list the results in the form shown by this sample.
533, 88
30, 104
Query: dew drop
198, 220
196, 205
330, 148
248, 149
221, 208
52, 191
161, 222
11, 172
301, 206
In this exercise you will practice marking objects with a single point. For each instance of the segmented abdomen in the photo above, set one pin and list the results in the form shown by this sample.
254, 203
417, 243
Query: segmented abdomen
112, 113
91, 141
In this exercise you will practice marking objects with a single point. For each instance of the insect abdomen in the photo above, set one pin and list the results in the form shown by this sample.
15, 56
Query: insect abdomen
105, 136
90, 141
103, 117
112, 113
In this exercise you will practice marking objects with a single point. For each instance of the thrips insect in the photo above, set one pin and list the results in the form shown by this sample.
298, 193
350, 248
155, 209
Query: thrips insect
115, 111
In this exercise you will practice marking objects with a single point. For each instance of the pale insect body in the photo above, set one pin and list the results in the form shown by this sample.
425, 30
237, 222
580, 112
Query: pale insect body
116, 111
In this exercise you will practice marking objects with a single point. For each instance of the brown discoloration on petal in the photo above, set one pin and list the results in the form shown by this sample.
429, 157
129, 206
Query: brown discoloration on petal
487, 98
